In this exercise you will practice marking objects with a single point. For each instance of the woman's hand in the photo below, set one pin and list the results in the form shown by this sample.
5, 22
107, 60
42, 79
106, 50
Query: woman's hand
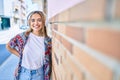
16, 72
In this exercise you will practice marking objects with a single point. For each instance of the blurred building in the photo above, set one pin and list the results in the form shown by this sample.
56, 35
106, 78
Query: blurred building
15, 10
19, 12
4, 19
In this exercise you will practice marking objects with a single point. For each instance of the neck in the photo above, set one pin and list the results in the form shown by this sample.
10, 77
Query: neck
37, 33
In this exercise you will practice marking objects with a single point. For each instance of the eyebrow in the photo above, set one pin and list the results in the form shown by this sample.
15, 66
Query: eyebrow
38, 19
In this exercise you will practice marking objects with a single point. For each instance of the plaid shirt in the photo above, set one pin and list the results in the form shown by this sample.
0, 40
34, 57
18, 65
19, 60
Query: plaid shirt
18, 43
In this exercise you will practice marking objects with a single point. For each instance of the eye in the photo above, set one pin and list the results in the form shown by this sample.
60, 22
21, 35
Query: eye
32, 20
39, 20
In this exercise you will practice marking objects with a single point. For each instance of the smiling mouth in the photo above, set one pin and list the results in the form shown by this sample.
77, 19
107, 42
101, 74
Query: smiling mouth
36, 26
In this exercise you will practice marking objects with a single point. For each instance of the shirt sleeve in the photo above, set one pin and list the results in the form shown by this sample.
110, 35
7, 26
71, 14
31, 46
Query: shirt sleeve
13, 42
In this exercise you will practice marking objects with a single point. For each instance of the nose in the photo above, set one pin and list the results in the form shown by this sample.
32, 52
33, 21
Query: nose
36, 22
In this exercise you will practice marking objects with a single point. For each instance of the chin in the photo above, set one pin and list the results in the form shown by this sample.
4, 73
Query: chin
36, 29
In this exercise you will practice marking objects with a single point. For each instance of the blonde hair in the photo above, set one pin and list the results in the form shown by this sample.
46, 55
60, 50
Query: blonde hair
43, 31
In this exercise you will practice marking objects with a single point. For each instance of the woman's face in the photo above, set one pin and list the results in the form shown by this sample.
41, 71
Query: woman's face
36, 22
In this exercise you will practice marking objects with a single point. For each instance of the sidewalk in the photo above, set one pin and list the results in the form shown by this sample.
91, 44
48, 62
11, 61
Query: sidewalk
8, 67
4, 53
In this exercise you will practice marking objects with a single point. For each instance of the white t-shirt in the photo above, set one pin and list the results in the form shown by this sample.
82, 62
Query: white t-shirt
34, 52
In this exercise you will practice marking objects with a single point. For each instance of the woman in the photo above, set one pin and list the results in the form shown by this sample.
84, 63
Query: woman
33, 48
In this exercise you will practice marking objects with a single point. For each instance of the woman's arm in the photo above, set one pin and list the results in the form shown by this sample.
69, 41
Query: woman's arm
12, 50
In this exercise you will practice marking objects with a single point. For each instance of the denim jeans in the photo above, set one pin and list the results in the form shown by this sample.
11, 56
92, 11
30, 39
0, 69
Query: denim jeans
27, 74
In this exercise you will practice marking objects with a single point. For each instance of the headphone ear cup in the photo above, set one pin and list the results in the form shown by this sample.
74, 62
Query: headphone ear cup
27, 22
28, 17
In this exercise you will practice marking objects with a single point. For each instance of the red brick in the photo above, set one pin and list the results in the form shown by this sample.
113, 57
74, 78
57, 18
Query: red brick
88, 10
97, 69
75, 69
104, 40
117, 9
67, 44
76, 33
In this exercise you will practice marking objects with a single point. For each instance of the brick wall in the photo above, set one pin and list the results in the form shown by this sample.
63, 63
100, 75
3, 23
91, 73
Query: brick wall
86, 41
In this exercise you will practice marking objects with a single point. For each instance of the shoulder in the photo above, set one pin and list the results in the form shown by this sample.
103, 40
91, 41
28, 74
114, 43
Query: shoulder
48, 39
25, 34
22, 35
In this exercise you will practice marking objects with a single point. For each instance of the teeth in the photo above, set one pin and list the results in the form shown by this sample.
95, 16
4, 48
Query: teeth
36, 26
